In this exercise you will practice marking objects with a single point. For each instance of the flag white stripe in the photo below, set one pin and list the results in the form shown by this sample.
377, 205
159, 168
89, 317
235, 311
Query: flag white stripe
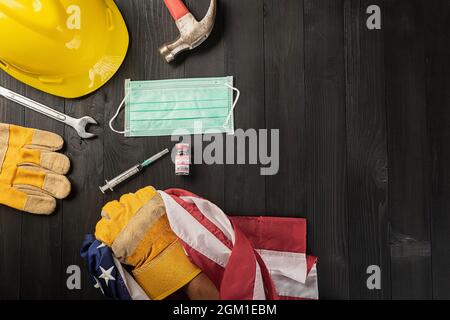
193, 233
215, 215
288, 264
288, 288
134, 290
258, 290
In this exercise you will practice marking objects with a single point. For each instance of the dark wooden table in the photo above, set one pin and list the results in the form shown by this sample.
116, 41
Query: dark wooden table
365, 131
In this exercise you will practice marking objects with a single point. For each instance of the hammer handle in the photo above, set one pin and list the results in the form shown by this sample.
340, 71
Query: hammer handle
177, 8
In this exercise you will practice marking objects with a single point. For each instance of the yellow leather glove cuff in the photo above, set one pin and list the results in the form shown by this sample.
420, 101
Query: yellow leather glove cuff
32, 173
137, 230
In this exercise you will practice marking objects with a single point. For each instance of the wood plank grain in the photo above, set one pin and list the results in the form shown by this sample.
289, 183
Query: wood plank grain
285, 105
161, 174
121, 153
208, 60
437, 36
82, 209
10, 219
409, 150
143, 62
367, 180
148, 28
325, 137
352, 105
41, 235
245, 187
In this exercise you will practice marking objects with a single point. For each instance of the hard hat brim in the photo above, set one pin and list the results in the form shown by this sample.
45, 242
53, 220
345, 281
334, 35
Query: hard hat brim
90, 75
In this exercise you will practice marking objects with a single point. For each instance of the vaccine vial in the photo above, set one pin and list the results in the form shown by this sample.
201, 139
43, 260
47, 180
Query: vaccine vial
182, 159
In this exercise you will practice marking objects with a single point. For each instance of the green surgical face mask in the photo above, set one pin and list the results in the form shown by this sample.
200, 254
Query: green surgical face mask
196, 106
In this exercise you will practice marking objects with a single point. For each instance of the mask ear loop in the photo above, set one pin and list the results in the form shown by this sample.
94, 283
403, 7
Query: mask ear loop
238, 95
116, 114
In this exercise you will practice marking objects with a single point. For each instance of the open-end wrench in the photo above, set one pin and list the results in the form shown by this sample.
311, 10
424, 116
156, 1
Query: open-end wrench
78, 124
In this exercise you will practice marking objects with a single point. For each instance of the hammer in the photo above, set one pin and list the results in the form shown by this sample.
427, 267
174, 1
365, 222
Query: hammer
192, 32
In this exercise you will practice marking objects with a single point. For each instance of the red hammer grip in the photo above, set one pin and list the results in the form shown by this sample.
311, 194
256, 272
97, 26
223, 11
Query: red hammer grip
177, 8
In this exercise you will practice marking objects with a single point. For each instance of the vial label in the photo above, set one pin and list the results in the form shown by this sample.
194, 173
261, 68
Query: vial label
182, 165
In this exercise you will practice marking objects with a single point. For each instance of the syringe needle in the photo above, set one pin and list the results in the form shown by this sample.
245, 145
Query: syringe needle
154, 158
131, 172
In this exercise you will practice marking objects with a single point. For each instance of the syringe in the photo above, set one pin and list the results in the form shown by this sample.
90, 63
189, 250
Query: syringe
131, 172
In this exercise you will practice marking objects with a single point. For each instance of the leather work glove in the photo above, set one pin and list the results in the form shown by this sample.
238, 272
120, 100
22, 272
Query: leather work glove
32, 173
138, 231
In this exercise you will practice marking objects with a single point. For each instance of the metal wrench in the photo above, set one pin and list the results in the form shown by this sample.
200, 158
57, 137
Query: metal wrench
78, 124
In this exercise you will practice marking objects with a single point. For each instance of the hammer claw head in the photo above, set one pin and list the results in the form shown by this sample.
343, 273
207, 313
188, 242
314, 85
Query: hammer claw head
192, 33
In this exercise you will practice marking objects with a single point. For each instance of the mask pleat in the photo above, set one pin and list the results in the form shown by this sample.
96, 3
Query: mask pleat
157, 108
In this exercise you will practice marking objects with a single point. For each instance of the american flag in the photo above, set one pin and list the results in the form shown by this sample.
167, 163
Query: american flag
108, 274
247, 258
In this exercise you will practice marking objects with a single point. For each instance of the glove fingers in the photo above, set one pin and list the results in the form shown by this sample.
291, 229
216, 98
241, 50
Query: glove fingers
116, 215
128, 205
108, 227
38, 202
112, 209
53, 161
45, 140
28, 200
56, 185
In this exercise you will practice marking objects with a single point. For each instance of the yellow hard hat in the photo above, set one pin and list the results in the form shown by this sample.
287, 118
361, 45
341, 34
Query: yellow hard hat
68, 48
